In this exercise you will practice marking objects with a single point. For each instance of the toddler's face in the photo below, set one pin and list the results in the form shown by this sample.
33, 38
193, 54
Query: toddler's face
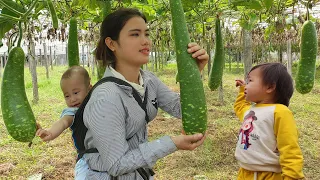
255, 89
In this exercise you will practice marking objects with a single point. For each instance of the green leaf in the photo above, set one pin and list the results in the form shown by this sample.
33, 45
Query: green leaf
92, 4
150, 13
289, 3
190, 4
5, 23
14, 5
253, 18
249, 22
238, 2
36, 16
269, 30
39, 7
97, 19
245, 25
143, 1
75, 3
161, 11
5, 26
268, 3
127, 1
249, 4
254, 5
106, 9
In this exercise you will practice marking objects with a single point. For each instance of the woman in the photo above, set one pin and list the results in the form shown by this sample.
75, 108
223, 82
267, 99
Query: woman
116, 122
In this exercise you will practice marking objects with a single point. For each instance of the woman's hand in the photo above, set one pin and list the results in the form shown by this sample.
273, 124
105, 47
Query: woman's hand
188, 142
199, 54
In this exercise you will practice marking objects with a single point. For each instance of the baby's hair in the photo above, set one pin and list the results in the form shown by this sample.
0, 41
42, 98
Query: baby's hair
277, 74
77, 70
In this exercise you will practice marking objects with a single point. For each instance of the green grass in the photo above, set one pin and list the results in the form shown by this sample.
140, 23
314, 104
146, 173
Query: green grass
214, 159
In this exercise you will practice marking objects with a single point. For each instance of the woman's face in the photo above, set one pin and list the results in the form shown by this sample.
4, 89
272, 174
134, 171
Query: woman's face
133, 45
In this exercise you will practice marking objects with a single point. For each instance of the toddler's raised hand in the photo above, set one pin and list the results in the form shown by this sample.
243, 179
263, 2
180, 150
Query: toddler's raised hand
239, 82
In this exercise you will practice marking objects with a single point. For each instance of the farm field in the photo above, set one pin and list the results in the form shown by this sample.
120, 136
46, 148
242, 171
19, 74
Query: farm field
214, 159
45, 37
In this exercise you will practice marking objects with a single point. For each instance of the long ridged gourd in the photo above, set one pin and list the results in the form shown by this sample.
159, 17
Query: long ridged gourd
73, 45
216, 72
192, 97
304, 80
54, 17
16, 111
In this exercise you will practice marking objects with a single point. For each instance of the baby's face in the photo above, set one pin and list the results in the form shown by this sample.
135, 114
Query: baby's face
74, 90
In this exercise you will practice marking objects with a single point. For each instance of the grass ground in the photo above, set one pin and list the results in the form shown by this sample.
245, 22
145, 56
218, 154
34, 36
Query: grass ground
214, 159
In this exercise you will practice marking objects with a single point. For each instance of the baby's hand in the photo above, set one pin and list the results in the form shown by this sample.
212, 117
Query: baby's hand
44, 134
38, 126
239, 82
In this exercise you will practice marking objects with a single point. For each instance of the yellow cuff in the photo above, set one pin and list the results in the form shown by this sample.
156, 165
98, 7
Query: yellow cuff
289, 178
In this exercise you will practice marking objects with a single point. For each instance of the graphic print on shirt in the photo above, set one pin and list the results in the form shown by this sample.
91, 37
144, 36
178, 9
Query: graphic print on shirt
246, 129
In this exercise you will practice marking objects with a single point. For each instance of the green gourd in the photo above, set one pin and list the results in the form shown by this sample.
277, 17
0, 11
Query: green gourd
215, 76
304, 80
16, 111
192, 97
54, 17
73, 46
